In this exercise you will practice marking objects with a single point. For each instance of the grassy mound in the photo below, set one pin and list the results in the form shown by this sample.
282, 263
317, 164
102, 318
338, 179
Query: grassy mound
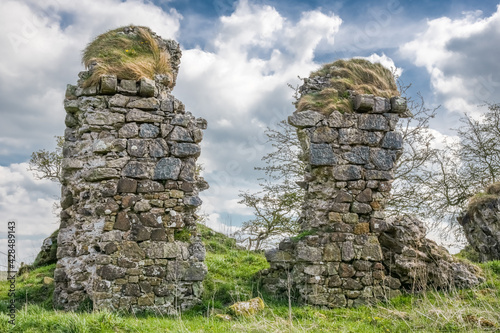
128, 52
358, 75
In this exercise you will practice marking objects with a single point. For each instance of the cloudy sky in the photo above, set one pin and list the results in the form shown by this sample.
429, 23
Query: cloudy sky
238, 57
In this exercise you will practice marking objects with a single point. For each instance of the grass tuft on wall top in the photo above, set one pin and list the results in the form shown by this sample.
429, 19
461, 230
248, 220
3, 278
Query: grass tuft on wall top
358, 75
128, 52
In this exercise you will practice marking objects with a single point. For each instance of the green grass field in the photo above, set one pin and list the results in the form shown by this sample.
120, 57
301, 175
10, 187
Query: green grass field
232, 278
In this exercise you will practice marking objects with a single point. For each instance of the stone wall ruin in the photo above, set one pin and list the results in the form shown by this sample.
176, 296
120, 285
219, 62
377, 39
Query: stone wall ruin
127, 238
481, 223
351, 156
348, 253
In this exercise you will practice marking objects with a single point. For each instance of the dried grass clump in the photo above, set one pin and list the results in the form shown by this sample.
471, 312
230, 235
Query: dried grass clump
129, 56
358, 75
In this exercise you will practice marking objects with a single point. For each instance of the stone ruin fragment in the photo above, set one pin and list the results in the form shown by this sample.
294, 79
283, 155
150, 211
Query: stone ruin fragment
481, 223
348, 253
127, 238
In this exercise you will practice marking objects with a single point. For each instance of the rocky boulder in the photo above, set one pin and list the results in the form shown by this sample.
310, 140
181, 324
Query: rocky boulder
248, 308
419, 262
48, 252
481, 223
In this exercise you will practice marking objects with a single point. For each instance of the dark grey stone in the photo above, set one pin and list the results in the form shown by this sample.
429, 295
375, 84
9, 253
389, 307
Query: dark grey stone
71, 120
188, 171
379, 175
150, 220
185, 149
392, 140
322, 154
383, 159
158, 234
155, 271
66, 197
149, 131
168, 168
131, 289
158, 148
193, 201
381, 105
149, 186
110, 272
139, 233
351, 136
180, 120
137, 147
358, 155
373, 122
196, 272
372, 138
180, 134
136, 169
197, 250
167, 105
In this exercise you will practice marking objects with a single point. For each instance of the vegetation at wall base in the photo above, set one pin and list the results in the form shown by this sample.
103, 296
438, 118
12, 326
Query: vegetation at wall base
232, 277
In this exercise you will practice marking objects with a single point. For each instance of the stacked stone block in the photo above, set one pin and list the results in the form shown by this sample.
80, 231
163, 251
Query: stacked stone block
128, 237
337, 260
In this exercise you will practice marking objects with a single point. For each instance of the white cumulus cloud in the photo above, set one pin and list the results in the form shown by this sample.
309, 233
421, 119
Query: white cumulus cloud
461, 57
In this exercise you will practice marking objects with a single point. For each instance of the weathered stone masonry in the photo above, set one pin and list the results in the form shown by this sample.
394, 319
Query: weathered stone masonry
351, 156
128, 238
348, 252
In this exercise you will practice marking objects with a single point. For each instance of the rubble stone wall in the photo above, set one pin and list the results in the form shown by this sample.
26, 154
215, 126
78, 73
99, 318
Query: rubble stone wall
337, 259
481, 224
127, 237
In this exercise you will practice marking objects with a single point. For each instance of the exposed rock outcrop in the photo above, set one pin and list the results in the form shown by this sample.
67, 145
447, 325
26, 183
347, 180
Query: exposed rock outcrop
48, 252
418, 262
481, 223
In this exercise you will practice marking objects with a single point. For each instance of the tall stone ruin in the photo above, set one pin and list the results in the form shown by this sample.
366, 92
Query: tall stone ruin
127, 237
481, 223
338, 261
348, 253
